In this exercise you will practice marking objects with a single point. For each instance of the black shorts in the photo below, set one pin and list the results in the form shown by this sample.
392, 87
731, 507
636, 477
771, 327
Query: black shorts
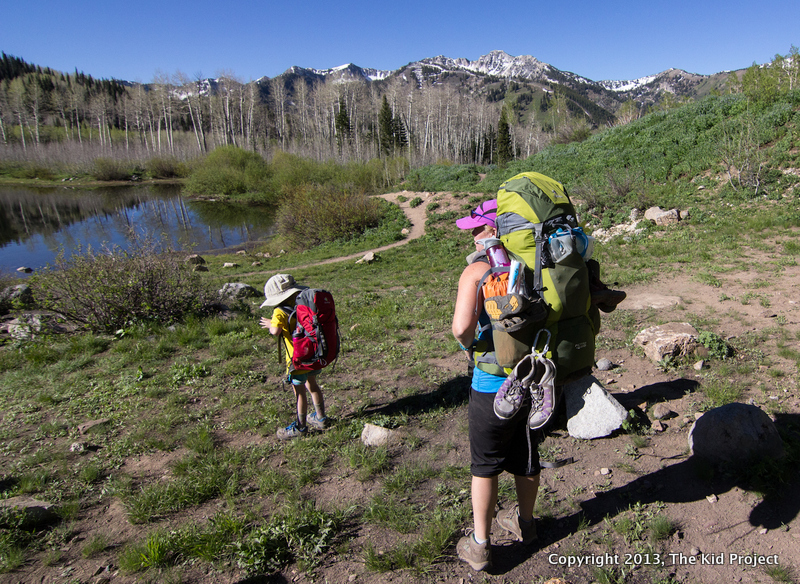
498, 445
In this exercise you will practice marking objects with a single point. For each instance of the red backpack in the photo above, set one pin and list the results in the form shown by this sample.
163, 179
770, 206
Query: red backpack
315, 340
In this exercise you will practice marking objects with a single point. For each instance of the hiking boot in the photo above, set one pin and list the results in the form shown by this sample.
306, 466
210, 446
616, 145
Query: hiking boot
511, 394
476, 555
510, 521
543, 394
293, 430
318, 423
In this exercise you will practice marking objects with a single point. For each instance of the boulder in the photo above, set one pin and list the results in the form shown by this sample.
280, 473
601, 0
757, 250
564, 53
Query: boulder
652, 213
95, 426
373, 435
238, 291
368, 258
643, 300
592, 412
195, 259
35, 513
230, 265
675, 339
668, 217
735, 432
27, 326
19, 294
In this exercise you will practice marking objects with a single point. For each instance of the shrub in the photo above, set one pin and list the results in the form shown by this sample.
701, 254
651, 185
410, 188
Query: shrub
166, 167
229, 170
109, 290
317, 214
108, 169
33, 170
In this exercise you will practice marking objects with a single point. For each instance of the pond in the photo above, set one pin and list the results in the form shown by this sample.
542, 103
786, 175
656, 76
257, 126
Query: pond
36, 224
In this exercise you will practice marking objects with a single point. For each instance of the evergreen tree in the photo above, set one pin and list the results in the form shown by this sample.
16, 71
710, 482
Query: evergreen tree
342, 123
505, 150
386, 128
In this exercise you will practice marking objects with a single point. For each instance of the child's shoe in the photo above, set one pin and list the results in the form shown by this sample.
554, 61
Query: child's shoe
511, 394
543, 394
293, 430
316, 422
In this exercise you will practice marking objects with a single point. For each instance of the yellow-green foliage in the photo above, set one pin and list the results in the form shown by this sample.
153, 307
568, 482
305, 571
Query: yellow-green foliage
230, 170
315, 214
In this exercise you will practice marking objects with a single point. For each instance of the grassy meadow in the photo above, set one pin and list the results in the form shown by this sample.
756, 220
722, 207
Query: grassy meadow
204, 391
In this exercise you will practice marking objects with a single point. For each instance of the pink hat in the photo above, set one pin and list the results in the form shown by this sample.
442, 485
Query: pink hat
485, 214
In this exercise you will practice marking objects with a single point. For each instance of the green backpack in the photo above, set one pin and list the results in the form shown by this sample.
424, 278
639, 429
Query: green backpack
538, 226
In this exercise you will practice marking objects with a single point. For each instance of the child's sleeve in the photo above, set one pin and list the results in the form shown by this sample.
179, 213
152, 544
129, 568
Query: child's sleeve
280, 319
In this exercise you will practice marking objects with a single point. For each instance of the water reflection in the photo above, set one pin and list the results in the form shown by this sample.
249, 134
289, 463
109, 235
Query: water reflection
36, 223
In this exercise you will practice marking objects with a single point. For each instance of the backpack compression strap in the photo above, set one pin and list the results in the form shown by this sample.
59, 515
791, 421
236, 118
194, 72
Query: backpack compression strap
508, 223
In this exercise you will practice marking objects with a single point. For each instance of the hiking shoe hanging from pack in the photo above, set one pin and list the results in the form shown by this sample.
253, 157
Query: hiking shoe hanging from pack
316, 422
479, 556
543, 392
293, 430
511, 394
510, 521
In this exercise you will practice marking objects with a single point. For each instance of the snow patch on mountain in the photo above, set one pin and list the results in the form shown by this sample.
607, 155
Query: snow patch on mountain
622, 86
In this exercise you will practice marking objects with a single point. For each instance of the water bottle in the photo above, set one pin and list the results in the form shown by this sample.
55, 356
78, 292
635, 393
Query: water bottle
496, 253
561, 245
585, 244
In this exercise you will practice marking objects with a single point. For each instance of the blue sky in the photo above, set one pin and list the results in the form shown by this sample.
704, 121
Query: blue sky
617, 40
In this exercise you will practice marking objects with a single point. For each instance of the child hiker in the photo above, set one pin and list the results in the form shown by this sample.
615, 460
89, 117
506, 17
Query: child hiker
281, 292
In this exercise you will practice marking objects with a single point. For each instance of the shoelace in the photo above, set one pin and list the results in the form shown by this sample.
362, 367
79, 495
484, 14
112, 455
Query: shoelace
537, 398
515, 392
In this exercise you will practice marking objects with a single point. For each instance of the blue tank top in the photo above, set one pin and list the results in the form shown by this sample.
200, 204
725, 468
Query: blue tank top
483, 382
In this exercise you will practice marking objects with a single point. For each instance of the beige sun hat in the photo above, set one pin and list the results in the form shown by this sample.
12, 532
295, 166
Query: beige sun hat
279, 288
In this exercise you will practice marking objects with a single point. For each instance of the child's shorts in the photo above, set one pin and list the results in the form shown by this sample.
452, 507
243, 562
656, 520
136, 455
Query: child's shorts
301, 378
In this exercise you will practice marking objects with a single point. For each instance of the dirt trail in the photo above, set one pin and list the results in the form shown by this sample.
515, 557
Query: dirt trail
416, 215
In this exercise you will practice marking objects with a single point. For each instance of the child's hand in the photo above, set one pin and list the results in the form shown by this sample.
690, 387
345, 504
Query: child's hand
264, 322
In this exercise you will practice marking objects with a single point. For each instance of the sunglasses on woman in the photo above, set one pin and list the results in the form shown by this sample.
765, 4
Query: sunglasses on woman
474, 214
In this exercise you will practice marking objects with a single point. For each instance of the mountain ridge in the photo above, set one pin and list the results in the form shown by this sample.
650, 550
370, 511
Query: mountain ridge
498, 63
497, 71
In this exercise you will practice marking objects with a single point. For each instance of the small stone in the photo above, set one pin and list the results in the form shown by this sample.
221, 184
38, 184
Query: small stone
77, 447
700, 365
658, 426
604, 365
712, 498
763, 531
661, 411
694, 552
230, 265
25, 269
605, 471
